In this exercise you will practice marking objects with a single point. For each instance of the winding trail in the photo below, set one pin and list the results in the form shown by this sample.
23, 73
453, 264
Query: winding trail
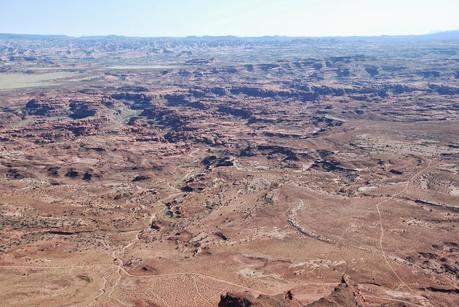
117, 256
205, 299
108, 287
119, 264
381, 227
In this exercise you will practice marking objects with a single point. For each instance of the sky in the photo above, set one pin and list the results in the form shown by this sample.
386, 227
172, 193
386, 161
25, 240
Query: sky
153, 18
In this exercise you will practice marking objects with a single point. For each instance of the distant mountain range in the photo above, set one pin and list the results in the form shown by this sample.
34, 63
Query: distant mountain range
439, 36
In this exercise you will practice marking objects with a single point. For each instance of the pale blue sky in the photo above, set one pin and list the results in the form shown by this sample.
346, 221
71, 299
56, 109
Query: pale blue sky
228, 17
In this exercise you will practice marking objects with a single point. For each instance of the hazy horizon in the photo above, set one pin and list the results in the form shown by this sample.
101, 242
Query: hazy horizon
228, 35
248, 18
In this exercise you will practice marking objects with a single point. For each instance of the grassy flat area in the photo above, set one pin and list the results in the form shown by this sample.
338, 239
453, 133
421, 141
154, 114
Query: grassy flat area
10, 81
140, 67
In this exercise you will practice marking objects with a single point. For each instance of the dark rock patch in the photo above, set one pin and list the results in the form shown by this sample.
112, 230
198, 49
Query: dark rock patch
72, 173
372, 71
15, 174
214, 161
221, 235
53, 171
429, 74
237, 112
40, 108
443, 89
81, 109
134, 101
87, 176
133, 88
140, 178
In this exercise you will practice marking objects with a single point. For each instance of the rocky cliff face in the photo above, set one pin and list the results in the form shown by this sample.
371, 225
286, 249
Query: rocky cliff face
81, 109
39, 108
346, 294
134, 101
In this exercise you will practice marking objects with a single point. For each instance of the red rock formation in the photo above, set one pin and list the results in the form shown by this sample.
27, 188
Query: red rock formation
345, 294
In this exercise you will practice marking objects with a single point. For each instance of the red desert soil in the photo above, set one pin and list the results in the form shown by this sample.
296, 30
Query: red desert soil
235, 175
